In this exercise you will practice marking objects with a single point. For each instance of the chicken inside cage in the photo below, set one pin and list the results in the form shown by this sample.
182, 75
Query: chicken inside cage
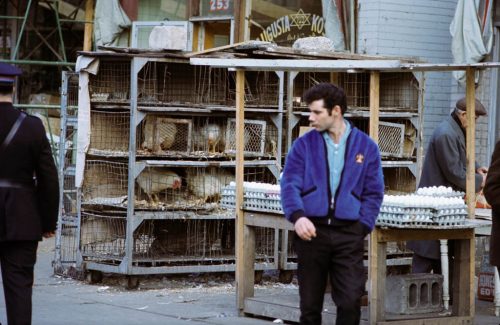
102, 235
159, 185
161, 135
105, 182
206, 184
209, 137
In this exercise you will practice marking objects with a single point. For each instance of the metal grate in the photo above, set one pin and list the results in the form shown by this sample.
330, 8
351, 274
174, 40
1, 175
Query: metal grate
105, 182
254, 137
164, 136
391, 139
102, 236
109, 134
212, 86
111, 83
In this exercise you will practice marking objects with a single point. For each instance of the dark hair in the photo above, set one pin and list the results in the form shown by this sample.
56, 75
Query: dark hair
331, 95
6, 89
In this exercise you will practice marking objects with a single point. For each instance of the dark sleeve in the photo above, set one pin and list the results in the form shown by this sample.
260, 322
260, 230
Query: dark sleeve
47, 182
447, 155
292, 183
492, 188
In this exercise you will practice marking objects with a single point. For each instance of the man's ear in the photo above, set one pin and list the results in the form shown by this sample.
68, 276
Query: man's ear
337, 109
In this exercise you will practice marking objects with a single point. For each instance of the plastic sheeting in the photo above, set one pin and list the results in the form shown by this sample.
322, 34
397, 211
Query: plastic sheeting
472, 33
84, 66
333, 28
109, 22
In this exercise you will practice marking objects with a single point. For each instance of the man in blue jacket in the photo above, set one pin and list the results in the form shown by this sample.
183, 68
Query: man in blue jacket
331, 190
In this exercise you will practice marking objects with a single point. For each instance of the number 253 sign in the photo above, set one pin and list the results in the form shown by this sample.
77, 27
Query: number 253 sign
219, 5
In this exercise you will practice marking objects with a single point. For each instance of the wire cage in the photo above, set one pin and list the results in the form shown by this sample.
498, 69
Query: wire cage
68, 245
111, 83
163, 136
399, 180
397, 138
261, 88
72, 94
105, 183
110, 133
102, 237
209, 135
195, 242
69, 204
212, 86
189, 188
398, 91
254, 137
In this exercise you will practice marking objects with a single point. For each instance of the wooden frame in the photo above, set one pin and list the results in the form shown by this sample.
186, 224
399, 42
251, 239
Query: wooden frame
245, 240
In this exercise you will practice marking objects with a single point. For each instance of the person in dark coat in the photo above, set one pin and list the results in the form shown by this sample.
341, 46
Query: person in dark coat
29, 198
445, 165
492, 194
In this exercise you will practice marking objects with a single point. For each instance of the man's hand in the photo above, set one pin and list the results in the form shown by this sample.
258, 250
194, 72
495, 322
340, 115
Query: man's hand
482, 171
305, 228
49, 234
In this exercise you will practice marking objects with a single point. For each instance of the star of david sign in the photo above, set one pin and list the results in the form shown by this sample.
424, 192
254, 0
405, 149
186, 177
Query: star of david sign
300, 19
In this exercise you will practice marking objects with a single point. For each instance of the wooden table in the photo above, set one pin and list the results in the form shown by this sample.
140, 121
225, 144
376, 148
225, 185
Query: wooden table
463, 281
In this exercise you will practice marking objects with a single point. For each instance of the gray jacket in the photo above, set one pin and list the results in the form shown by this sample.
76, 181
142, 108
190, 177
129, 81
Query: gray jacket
445, 164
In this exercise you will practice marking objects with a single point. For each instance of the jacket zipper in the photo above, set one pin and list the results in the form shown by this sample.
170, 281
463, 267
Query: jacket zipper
334, 203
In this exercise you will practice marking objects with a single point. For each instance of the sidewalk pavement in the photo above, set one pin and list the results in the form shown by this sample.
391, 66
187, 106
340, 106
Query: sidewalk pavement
176, 301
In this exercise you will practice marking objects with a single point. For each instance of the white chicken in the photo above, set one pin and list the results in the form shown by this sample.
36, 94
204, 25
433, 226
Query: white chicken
208, 185
155, 180
104, 183
159, 134
209, 136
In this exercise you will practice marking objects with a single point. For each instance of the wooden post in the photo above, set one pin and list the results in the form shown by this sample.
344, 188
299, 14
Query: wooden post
334, 78
376, 256
241, 27
471, 140
374, 104
244, 280
89, 18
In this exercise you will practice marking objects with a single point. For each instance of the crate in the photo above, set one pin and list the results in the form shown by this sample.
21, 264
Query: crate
111, 83
391, 139
105, 183
110, 132
414, 293
163, 136
254, 137
102, 237
254, 199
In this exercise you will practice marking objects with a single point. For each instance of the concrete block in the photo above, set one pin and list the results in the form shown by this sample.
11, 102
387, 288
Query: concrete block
414, 293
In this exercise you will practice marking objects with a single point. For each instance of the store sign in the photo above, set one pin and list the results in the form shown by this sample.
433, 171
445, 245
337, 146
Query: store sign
294, 26
217, 7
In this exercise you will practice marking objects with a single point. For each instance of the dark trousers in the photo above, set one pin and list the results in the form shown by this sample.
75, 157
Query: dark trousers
336, 252
17, 261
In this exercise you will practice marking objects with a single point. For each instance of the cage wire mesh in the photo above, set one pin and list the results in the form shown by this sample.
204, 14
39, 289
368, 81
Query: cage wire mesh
254, 137
184, 241
69, 244
209, 135
111, 83
399, 180
110, 133
70, 142
188, 188
102, 237
212, 86
105, 182
391, 139
72, 94
302, 82
261, 88
399, 91
264, 245
357, 88
69, 196
158, 135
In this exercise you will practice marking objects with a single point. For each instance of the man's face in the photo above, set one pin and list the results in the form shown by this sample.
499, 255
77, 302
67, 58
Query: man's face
319, 118
462, 116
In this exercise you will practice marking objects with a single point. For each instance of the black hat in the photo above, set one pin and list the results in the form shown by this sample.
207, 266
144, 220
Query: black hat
479, 110
8, 73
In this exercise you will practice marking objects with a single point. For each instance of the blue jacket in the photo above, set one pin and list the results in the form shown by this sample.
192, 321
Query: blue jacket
305, 189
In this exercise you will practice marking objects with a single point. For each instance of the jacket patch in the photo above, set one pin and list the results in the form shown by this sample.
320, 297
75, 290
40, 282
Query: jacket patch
360, 158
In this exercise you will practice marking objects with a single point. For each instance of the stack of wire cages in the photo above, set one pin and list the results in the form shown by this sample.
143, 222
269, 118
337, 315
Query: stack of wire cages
184, 136
111, 84
181, 84
65, 260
